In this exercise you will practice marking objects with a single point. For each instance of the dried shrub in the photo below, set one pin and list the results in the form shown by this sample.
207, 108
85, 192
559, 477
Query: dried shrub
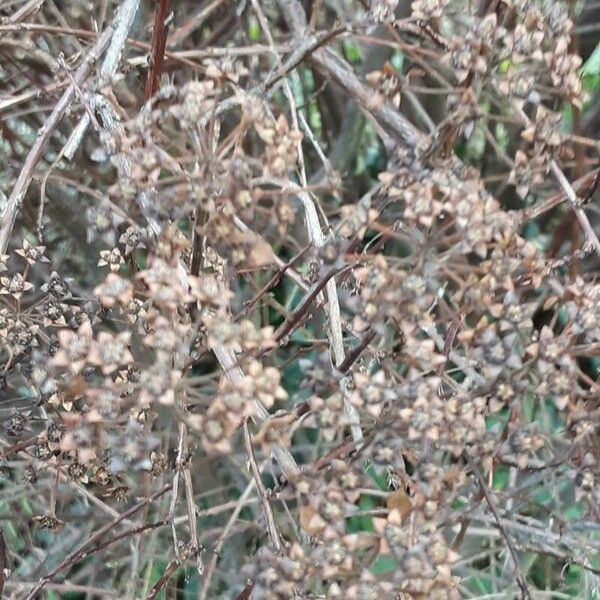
241, 359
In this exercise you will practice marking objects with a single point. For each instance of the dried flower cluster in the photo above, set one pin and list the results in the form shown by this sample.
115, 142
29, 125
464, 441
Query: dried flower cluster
240, 356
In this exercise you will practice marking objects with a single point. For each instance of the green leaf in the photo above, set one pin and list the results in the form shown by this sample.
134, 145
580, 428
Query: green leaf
362, 522
504, 66
384, 563
501, 135
500, 480
352, 52
253, 30
476, 144
592, 65
397, 60
380, 479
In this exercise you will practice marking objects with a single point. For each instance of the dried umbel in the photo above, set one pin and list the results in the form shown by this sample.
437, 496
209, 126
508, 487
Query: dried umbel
318, 326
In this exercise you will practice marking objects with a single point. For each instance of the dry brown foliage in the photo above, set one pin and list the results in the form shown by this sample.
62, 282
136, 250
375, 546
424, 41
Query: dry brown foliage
237, 361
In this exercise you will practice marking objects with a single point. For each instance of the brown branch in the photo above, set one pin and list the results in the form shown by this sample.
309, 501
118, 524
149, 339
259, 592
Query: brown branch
353, 354
80, 552
527, 214
296, 315
162, 581
343, 450
272, 282
593, 187
193, 23
246, 593
129, 533
336, 69
212, 565
299, 55
158, 45
23, 445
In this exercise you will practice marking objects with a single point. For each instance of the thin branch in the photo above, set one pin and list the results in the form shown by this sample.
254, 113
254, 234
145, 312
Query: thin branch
590, 234
190, 504
272, 282
193, 23
164, 578
312, 219
212, 565
26, 10
296, 315
3, 561
129, 533
569, 192
246, 593
80, 552
355, 353
9, 214
175, 490
109, 65
525, 593
527, 214
158, 43
262, 492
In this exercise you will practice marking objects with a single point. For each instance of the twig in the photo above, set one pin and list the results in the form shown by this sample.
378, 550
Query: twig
80, 489
246, 593
79, 553
286, 268
210, 570
590, 234
193, 23
296, 315
334, 68
109, 65
162, 580
301, 53
337, 70
129, 533
569, 192
262, 492
527, 214
353, 355
67, 588
272, 282
522, 583
29, 7
22, 445
158, 43
592, 189
3, 561
191, 505
175, 490
312, 219
30, 94
343, 450
9, 215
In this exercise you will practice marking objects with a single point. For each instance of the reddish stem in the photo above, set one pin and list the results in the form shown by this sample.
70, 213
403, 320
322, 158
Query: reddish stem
158, 45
